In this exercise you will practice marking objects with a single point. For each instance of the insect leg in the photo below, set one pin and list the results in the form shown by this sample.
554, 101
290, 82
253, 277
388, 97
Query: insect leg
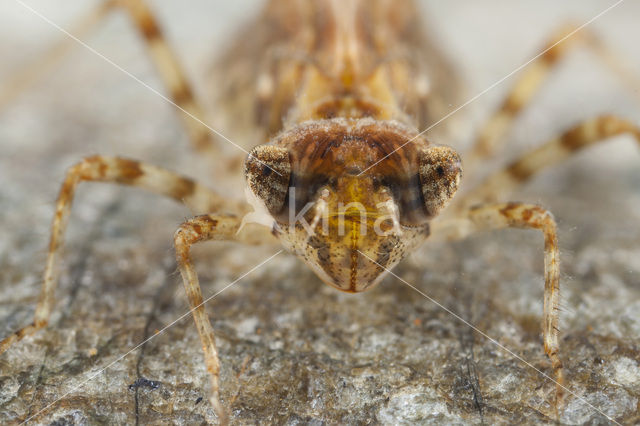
533, 76
520, 215
173, 76
16, 83
113, 170
199, 229
551, 153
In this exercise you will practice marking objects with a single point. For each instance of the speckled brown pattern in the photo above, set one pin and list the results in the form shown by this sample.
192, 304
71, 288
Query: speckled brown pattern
331, 121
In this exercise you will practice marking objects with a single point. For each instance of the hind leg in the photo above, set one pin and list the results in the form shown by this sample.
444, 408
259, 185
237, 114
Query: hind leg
170, 70
491, 134
555, 151
181, 94
19, 81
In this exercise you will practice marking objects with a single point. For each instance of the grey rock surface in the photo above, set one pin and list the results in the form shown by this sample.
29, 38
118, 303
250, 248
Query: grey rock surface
293, 350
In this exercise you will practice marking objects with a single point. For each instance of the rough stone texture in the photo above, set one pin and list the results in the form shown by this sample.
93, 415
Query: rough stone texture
293, 350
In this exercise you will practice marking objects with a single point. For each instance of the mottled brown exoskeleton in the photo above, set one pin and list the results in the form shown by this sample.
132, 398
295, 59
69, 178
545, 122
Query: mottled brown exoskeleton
343, 177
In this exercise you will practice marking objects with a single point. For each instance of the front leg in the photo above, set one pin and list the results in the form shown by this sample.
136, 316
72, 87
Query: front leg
112, 170
198, 229
520, 215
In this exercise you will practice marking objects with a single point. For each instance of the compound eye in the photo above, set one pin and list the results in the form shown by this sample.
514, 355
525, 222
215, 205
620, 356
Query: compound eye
440, 170
268, 171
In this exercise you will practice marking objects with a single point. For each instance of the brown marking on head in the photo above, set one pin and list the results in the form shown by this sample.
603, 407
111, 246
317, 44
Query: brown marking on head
386, 253
327, 152
353, 276
356, 212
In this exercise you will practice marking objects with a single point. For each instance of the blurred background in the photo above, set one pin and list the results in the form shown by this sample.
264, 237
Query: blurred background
314, 354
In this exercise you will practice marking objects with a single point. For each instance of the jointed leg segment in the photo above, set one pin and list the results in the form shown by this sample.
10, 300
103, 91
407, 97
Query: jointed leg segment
198, 229
16, 83
172, 74
491, 135
114, 170
551, 153
163, 56
519, 215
